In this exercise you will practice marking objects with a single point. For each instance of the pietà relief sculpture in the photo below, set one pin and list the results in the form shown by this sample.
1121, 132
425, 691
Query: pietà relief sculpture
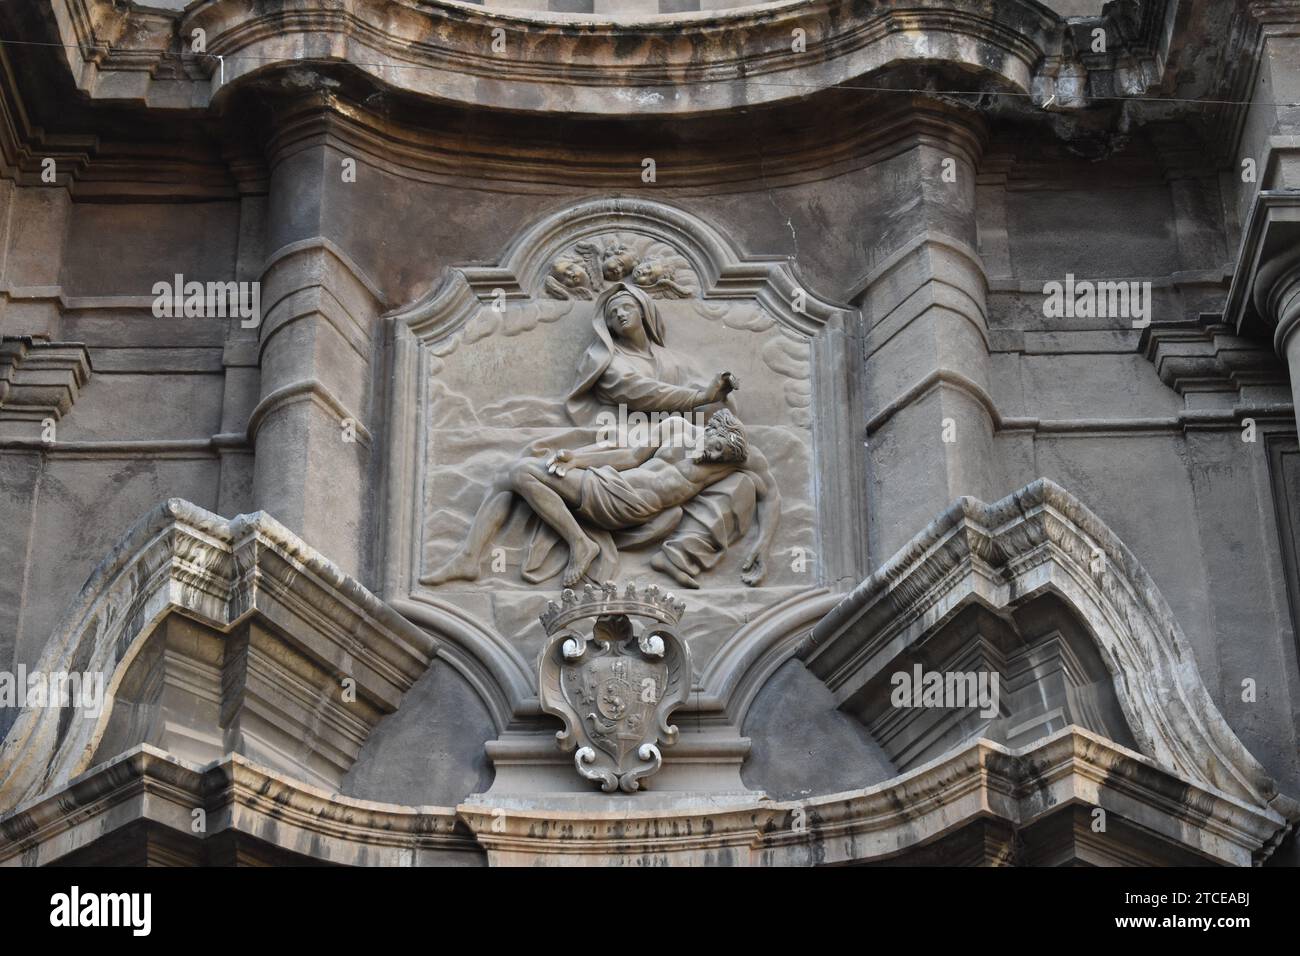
691, 487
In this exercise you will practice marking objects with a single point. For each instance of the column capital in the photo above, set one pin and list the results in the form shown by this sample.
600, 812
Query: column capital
1265, 293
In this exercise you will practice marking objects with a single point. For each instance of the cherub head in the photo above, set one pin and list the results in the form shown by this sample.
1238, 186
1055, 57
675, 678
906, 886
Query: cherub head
648, 273
570, 274
617, 262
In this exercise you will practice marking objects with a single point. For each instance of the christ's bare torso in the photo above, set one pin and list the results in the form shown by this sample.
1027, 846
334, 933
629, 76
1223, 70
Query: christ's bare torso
672, 478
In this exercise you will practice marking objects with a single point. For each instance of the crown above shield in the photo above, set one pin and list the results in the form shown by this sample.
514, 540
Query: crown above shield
606, 599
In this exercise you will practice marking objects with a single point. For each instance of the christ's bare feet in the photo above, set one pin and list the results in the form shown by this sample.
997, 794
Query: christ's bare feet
580, 557
462, 567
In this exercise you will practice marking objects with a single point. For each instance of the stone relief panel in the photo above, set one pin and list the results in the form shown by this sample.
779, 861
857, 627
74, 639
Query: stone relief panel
606, 418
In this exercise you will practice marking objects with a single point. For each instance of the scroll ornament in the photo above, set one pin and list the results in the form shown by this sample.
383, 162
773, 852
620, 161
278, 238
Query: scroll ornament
615, 686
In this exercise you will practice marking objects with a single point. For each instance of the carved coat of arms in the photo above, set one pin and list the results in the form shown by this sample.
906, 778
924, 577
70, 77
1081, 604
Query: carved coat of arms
616, 687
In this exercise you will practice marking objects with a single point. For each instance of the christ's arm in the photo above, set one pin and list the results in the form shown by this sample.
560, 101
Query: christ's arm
593, 456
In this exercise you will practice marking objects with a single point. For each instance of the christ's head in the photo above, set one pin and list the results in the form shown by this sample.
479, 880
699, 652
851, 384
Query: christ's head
724, 439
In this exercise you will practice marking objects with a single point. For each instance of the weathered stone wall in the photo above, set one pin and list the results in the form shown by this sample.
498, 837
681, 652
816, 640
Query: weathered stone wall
939, 218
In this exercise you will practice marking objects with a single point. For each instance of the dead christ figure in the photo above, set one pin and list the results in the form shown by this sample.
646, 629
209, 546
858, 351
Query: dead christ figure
617, 488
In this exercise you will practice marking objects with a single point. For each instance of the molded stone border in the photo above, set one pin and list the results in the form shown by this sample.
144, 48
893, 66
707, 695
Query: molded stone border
983, 782
724, 272
435, 323
237, 796
180, 558
1038, 540
672, 64
1206, 354
40, 379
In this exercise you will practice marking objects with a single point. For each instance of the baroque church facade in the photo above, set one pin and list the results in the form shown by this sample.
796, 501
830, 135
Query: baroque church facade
649, 432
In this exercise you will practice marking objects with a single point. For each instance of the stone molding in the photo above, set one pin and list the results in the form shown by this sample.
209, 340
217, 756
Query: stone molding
1265, 295
704, 762
1207, 355
739, 669
236, 796
1043, 540
1264, 286
1018, 789
424, 145
91, 168
442, 50
40, 379
724, 272
1188, 356
931, 269
221, 573
305, 390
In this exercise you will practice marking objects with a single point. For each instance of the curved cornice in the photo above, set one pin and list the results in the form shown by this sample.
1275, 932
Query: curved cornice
1038, 540
672, 66
742, 666
982, 780
712, 155
668, 65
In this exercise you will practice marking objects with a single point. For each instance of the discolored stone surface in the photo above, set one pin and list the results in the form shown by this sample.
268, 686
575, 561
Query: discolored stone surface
307, 550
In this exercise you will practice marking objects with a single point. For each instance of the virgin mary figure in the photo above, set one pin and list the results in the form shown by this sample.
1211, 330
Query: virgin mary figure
629, 364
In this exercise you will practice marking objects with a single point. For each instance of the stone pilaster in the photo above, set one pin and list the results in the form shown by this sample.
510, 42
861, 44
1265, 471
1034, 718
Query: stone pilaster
1270, 130
312, 426
930, 421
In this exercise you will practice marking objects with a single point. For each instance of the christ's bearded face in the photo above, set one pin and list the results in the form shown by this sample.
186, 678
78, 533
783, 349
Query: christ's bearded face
715, 447
724, 439
624, 317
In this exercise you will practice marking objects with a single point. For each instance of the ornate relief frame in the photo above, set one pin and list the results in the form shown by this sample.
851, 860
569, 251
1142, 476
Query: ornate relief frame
497, 668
